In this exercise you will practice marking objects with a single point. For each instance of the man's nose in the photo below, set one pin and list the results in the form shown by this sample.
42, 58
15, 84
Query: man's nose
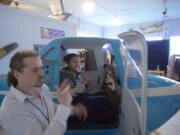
41, 73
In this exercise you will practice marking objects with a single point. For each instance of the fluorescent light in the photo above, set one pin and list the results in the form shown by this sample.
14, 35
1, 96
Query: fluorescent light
88, 6
116, 21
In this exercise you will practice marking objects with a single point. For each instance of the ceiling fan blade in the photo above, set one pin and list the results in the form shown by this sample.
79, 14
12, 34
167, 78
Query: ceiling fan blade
6, 2
62, 17
7, 49
56, 7
62, 5
22, 5
66, 16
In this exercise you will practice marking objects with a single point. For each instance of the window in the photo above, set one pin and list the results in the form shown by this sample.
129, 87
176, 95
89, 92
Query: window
174, 45
87, 58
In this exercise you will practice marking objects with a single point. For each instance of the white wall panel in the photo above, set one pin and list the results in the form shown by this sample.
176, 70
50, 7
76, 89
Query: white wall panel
87, 29
24, 28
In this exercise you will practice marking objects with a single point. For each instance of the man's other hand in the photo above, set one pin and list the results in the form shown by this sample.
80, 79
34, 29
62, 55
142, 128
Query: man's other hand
80, 111
64, 93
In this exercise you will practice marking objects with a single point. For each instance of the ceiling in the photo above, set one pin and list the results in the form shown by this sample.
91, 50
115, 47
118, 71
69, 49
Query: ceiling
128, 11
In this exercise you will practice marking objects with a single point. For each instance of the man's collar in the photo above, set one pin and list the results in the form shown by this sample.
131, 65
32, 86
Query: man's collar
18, 94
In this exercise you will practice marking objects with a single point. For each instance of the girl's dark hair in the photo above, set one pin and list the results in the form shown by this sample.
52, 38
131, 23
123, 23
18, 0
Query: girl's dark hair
68, 57
17, 64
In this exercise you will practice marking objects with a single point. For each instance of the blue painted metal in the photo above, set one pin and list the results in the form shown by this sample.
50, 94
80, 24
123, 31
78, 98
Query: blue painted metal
161, 109
3, 85
115, 131
119, 61
154, 81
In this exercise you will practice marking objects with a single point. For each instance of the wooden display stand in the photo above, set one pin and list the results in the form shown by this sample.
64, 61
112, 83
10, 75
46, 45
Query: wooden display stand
159, 72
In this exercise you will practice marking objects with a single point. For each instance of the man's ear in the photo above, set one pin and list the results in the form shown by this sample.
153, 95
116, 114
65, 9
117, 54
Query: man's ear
16, 74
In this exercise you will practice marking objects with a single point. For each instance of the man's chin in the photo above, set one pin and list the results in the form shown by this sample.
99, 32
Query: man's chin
39, 85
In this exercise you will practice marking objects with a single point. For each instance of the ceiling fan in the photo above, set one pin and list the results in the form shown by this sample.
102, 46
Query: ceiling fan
157, 26
17, 4
57, 9
151, 28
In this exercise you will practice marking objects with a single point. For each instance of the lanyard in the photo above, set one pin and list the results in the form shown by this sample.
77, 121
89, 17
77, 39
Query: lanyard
46, 117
